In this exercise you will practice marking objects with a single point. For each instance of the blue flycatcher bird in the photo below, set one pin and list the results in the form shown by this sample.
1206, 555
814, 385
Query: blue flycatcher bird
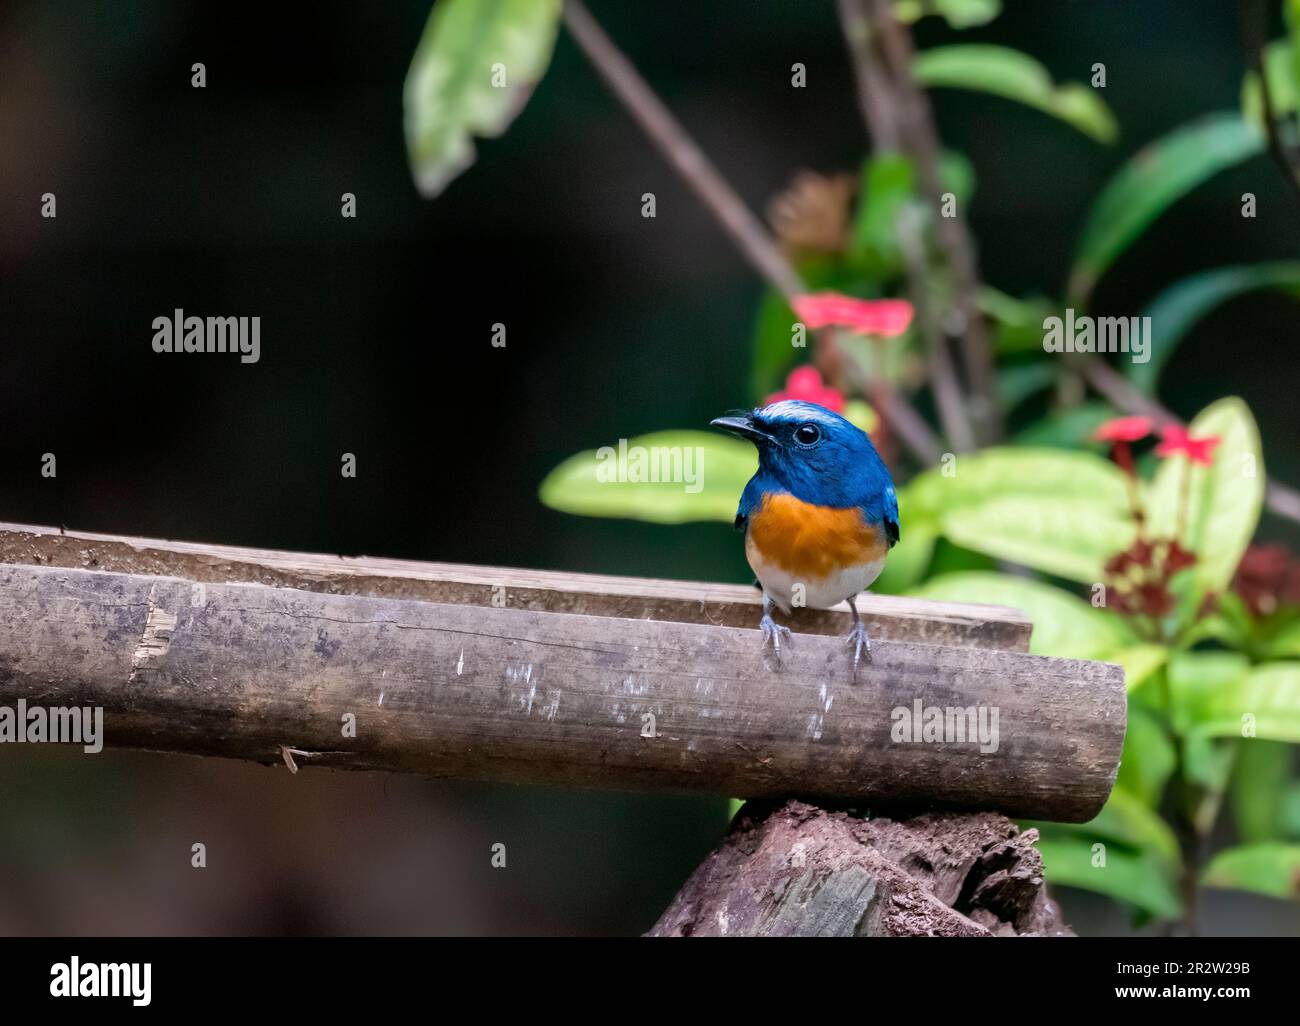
821, 513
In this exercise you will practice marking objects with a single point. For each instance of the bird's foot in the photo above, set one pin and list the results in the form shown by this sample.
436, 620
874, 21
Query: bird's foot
861, 643
773, 632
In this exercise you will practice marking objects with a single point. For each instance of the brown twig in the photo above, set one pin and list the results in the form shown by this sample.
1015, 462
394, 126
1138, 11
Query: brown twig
897, 118
873, 90
947, 390
717, 195
672, 140
921, 141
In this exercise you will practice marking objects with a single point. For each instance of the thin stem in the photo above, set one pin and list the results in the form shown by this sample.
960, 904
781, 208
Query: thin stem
916, 121
667, 133
718, 197
873, 90
1253, 18
1109, 383
947, 392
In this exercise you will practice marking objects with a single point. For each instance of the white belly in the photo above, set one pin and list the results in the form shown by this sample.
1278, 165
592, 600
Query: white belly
787, 591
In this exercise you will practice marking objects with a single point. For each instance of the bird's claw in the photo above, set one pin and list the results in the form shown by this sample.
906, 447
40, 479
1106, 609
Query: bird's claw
773, 632
861, 642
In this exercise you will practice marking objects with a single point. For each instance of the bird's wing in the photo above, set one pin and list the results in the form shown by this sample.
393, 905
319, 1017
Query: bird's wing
750, 499
891, 515
882, 508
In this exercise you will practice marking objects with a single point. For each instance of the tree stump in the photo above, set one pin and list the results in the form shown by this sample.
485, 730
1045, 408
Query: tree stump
798, 870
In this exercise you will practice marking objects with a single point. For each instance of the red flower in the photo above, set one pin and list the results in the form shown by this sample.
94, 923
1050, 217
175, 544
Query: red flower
884, 317
806, 383
1123, 429
1175, 439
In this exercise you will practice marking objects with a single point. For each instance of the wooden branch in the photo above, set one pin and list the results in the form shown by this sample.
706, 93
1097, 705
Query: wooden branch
721, 200
534, 696
887, 617
798, 871
898, 116
954, 236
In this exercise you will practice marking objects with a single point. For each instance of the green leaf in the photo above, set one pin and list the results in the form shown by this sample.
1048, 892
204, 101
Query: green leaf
1137, 845
1157, 176
1020, 381
1061, 512
1138, 879
1224, 500
1285, 644
1019, 321
1217, 694
1197, 682
1260, 781
975, 478
697, 476
1047, 533
888, 185
959, 14
1064, 625
957, 176
1140, 661
1283, 87
1272, 868
1129, 820
1291, 811
1291, 11
450, 95
1207, 762
1149, 758
774, 350
1016, 76
1068, 429
1176, 311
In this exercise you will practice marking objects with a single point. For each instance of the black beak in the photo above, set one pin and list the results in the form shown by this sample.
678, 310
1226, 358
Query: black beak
743, 426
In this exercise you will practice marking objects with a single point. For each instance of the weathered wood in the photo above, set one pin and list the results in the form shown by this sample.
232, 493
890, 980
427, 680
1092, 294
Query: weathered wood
799, 871
551, 698
888, 618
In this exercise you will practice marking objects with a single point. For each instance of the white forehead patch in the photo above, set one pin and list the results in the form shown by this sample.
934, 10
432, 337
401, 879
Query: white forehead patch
794, 409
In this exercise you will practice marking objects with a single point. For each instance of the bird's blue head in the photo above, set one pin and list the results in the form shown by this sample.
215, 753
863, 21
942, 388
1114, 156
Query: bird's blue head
816, 455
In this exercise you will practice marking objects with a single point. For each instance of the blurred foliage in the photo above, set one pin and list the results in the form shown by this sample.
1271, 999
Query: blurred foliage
654, 477
1177, 309
959, 14
475, 67
1157, 176
1213, 676
1013, 75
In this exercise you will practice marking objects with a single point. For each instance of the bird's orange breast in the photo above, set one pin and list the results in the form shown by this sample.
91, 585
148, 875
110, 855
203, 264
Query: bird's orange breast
812, 542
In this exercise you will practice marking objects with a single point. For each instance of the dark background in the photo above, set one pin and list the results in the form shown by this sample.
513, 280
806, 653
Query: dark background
376, 341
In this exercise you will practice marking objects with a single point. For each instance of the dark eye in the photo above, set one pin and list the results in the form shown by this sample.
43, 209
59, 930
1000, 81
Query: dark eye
807, 434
